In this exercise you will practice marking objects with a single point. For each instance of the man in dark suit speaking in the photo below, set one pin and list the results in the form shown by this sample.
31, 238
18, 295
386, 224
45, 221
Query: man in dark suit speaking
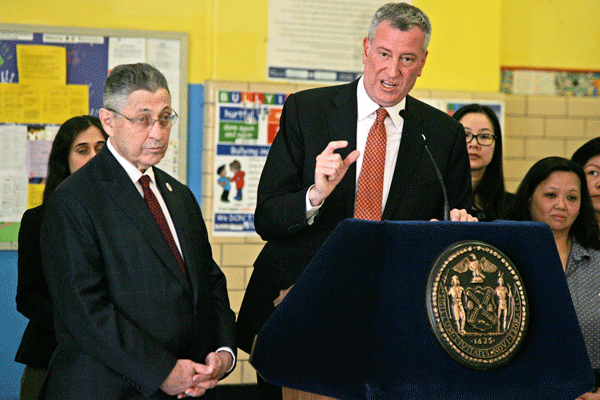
354, 150
141, 307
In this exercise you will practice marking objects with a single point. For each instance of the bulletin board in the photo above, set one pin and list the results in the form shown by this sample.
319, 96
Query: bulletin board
49, 74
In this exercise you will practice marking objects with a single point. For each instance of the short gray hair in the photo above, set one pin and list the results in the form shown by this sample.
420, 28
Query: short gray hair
402, 16
128, 78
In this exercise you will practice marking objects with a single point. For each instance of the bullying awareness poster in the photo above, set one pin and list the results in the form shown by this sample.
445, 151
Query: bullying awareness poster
246, 124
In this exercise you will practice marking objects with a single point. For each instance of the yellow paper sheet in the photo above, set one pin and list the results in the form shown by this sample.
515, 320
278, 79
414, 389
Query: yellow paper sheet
42, 103
35, 194
37, 64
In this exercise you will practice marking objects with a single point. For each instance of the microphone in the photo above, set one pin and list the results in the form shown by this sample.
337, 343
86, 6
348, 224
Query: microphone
440, 179
403, 114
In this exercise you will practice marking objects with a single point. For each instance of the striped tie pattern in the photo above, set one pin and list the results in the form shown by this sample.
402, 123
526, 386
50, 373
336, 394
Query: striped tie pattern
160, 219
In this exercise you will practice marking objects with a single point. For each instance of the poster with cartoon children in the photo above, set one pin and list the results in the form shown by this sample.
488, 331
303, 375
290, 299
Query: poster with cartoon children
246, 124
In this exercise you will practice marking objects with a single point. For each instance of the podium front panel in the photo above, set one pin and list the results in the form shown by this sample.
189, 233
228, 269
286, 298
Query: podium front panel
355, 324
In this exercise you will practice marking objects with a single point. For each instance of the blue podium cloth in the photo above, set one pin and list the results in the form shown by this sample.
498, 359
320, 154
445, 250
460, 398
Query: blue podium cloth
355, 324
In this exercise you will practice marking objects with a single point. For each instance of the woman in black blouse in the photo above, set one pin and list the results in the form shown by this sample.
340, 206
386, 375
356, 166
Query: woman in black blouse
588, 156
77, 141
484, 144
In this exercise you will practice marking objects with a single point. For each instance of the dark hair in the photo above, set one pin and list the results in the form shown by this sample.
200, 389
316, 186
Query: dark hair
588, 150
220, 169
127, 78
490, 191
58, 162
585, 227
235, 164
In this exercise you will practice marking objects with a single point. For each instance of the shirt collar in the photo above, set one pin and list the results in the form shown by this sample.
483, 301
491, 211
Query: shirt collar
134, 173
366, 106
578, 252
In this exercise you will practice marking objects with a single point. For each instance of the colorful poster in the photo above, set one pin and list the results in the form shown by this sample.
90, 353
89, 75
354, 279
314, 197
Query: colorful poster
452, 106
247, 123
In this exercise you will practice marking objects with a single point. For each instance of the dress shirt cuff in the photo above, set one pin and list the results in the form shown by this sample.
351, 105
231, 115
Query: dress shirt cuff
311, 212
227, 349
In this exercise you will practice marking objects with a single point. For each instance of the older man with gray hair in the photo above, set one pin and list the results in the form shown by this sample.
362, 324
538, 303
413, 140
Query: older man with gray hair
141, 307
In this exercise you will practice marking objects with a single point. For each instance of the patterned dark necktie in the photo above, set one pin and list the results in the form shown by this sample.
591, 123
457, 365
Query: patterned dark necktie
160, 219
370, 184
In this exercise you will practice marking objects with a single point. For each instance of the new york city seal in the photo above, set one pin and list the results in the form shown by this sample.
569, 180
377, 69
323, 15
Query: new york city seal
477, 305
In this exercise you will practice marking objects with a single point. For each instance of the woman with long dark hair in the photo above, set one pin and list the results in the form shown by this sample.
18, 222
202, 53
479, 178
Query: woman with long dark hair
484, 144
588, 156
555, 192
77, 141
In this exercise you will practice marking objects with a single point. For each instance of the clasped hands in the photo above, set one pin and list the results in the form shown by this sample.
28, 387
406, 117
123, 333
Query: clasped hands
331, 168
192, 379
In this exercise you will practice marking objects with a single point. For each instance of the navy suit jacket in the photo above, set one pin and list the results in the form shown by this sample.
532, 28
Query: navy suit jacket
310, 120
125, 311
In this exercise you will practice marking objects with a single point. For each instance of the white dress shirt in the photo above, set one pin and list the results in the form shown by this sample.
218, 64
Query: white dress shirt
367, 112
135, 175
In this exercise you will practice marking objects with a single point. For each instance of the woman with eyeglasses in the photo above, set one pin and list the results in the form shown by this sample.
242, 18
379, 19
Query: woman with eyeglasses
484, 144
76, 142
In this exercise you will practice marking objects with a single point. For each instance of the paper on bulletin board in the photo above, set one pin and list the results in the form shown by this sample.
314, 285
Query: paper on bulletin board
247, 123
35, 195
13, 181
165, 55
61, 102
42, 103
318, 41
39, 145
42, 64
125, 50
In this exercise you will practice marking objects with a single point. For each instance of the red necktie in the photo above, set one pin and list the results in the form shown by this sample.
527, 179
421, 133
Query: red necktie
370, 184
160, 219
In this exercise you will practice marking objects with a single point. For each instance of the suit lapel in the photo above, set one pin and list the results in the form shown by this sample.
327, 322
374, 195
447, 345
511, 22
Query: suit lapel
117, 183
409, 154
341, 120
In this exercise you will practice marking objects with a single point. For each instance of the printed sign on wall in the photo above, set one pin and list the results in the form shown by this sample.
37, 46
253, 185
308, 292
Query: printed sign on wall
247, 123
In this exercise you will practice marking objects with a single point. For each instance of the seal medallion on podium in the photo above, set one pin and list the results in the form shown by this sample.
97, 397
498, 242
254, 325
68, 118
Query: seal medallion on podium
477, 305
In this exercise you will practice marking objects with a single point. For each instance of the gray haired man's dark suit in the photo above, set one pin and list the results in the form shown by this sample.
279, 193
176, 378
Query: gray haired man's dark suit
125, 312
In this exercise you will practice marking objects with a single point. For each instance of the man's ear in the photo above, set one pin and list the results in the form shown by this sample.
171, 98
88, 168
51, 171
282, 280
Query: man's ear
107, 120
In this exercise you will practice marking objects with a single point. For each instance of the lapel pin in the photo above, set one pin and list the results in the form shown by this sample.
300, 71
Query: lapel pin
169, 187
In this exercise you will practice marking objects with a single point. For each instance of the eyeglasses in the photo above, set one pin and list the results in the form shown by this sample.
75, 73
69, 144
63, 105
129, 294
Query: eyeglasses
484, 139
143, 123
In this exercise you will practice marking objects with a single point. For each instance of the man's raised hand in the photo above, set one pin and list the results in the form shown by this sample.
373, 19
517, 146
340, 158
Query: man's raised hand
330, 170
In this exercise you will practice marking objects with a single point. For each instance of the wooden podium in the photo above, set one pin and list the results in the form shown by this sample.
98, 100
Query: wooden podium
293, 394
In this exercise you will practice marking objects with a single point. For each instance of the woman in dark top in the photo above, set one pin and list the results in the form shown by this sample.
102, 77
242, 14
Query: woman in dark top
554, 191
484, 144
77, 141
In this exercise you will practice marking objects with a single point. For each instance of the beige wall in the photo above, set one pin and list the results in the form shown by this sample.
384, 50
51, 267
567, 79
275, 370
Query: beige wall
538, 127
